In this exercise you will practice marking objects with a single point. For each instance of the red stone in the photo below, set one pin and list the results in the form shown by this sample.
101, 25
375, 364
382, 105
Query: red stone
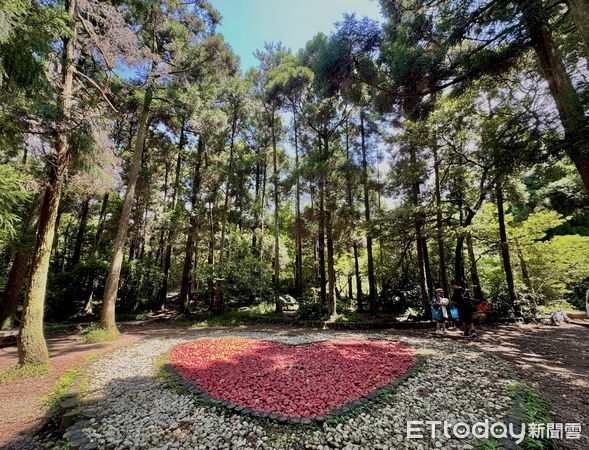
294, 381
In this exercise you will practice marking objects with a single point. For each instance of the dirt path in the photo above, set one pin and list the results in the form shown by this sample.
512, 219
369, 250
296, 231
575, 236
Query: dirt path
555, 362
22, 405
552, 360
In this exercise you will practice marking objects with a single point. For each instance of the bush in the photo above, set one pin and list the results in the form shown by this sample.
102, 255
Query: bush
418, 313
309, 310
94, 333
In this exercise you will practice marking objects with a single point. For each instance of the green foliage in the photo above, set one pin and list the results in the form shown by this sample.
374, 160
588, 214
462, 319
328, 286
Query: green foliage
536, 411
14, 373
142, 278
11, 13
93, 333
558, 264
28, 29
55, 328
61, 388
264, 312
68, 291
310, 310
487, 444
13, 196
247, 280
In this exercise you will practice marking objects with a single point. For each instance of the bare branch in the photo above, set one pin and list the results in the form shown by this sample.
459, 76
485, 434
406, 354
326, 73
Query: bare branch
98, 88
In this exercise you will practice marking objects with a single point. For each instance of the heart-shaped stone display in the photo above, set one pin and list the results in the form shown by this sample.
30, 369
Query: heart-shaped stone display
303, 381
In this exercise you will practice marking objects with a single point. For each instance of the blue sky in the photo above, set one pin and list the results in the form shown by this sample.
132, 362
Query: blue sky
248, 24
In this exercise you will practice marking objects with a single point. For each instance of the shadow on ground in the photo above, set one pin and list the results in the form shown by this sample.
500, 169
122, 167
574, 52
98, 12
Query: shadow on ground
555, 362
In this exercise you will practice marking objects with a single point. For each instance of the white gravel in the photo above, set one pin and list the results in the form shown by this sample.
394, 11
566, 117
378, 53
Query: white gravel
136, 410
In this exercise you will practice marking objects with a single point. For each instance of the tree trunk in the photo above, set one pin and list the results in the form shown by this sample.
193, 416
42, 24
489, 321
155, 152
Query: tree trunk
257, 190
211, 255
18, 272
568, 102
298, 235
370, 259
16, 277
163, 292
332, 305
321, 241
107, 313
580, 13
474, 271
524, 267
331, 298
91, 284
276, 218
504, 245
360, 304
465, 222
159, 253
421, 265
191, 239
55, 269
443, 280
459, 254
31, 342
66, 245
100, 227
419, 223
68, 304
80, 234
426, 264
312, 196
359, 295
218, 305
350, 294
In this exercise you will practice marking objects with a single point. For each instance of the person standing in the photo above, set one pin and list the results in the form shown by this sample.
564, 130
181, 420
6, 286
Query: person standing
462, 302
439, 310
587, 302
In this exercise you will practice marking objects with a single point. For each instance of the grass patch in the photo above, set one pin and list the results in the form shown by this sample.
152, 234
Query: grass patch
53, 327
94, 333
566, 307
487, 444
61, 388
14, 373
262, 313
127, 317
535, 411
164, 374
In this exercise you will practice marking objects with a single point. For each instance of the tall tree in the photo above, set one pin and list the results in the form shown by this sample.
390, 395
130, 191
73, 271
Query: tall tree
195, 50
193, 229
505, 254
235, 98
291, 80
365, 184
31, 343
269, 93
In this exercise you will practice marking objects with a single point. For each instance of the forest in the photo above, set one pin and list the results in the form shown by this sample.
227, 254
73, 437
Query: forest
141, 169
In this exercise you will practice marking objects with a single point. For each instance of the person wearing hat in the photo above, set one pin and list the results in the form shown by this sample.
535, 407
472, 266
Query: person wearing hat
439, 310
462, 302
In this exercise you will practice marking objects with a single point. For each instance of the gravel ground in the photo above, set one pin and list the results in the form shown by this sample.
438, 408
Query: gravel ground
137, 410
